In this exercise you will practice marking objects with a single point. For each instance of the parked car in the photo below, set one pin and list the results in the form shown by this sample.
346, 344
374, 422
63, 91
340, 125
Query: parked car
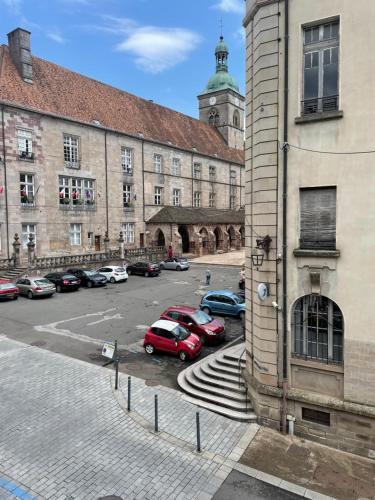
175, 263
144, 269
63, 281
208, 329
223, 302
36, 287
8, 290
89, 277
114, 273
169, 336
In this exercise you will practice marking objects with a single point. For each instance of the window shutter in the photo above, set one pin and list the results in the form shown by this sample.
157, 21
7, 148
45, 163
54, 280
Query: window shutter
318, 218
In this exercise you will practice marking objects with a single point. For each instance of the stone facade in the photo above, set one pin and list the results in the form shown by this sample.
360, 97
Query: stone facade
330, 396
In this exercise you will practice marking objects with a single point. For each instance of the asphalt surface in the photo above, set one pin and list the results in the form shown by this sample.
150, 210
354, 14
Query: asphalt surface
77, 323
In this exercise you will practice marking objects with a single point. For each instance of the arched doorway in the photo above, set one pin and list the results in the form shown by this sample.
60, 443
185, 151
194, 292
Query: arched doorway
318, 329
218, 238
160, 238
232, 237
242, 233
184, 238
204, 233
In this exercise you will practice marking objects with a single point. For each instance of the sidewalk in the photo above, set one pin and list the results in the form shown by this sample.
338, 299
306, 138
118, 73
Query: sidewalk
236, 258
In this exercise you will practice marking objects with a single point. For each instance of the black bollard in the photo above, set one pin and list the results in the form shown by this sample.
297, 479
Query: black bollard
156, 414
116, 374
198, 432
129, 392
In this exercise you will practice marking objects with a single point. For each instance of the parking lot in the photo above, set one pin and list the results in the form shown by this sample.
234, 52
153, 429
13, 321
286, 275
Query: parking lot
77, 323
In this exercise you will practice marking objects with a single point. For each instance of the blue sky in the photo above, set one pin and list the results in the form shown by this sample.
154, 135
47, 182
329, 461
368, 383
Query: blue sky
157, 49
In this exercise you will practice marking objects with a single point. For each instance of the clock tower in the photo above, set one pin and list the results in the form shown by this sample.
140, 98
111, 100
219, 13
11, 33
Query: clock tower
221, 104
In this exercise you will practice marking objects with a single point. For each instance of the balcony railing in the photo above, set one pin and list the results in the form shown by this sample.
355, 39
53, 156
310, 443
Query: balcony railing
68, 204
26, 155
72, 164
320, 105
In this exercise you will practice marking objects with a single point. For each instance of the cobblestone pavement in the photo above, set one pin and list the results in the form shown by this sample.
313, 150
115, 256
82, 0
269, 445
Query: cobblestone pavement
65, 434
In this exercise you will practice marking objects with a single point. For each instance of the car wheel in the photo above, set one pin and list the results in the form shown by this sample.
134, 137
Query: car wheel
147, 274
30, 294
161, 266
58, 288
112, 280
178, 268
242, 315
183, 355
206, 310
89, 284
15, 297
149, 348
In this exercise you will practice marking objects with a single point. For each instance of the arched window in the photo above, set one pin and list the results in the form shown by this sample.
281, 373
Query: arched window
236, 119
318, 329
213, 117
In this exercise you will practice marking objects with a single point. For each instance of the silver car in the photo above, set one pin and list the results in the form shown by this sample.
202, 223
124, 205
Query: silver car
175, 263
36, 286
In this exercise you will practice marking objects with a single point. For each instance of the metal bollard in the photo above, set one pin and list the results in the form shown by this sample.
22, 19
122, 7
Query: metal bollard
116, 374
129, 392
156, 414
198, 432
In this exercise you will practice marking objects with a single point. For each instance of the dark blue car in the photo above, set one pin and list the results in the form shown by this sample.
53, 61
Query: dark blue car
223, 302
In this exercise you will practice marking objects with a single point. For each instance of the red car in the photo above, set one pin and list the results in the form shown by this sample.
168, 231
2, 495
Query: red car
210, 331
8, 290
169, 336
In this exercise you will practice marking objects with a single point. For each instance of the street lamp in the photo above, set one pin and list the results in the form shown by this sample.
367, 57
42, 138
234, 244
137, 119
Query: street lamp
257, 256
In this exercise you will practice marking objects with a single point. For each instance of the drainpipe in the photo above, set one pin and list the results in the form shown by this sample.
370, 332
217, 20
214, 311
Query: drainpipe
106, 181
143, 184
285, 222
192, 180
5, 182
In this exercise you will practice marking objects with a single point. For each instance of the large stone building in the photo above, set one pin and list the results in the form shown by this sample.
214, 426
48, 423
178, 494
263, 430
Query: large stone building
310, 209
81, 160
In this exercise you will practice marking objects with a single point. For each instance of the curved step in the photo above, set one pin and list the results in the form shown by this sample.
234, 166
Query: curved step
200, 375
216, 365
215, 391
239, 406
205, 367
229, 361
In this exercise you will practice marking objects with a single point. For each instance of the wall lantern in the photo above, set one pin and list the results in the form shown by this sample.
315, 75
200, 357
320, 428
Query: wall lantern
257, 256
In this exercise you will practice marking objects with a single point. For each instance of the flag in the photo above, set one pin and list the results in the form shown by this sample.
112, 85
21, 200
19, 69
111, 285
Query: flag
88, 194
134, 197
75, 195
62, 193
1, 189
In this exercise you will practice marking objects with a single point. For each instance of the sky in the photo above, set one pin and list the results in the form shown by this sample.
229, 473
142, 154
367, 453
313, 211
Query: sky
162, 50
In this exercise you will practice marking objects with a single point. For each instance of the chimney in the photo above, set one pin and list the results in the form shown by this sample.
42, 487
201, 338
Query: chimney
19, 47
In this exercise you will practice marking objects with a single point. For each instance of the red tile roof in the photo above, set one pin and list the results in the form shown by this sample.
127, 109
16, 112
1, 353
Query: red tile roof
68, 94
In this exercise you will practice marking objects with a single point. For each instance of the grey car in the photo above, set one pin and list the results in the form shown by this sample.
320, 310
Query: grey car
36, 286
175, 263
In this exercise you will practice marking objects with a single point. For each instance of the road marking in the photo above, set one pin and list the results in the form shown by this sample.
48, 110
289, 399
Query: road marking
105, 318
141, 327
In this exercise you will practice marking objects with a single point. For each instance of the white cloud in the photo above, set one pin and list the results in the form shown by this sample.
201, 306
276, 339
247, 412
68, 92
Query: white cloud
157, 49
235, 6
56, 37
13, 5
240, 34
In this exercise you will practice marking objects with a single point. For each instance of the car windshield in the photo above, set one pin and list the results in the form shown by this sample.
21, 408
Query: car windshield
6, 286
119, 270
181, 333
90, 273
182, 259
42, 282
201, 318
238, 299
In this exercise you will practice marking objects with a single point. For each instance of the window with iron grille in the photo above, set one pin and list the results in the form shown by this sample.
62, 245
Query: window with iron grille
318, 218
197, 199
212, 200
25, 144
176, 197
158, 191
158, 160
127, 195
318, 329
26, 230
71, 151
321, 68
197, 171
127, 160
75, 234
176, 166
27, 190
128, 231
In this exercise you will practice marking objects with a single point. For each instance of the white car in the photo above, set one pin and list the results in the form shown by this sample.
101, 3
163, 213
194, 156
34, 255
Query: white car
114, 273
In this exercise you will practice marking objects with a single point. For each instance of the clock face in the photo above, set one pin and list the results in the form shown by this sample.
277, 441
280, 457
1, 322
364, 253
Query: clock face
237, 101
212, 100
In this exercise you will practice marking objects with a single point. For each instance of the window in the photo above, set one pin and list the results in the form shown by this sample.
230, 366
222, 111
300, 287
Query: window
27, 190
316, 416
75, 192
127, 160
157, 195
127, 195
212, 173
318, 329
232, 201
25, 144
318, 218
128, 232
233, 177
176, 166
236, 119
176, 197
197, 199
197, 171
213, 117
212, 200
75, 234
158, 163
71, 151
26, 230
321, 61
173, 315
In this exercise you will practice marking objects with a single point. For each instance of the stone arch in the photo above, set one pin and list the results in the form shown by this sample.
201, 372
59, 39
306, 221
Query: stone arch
185, 239
159, 238
204, 240
236, 119
218, 233
232, 237
242, 233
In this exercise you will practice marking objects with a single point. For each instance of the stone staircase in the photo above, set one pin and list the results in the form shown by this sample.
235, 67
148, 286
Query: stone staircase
216, 383
12, 273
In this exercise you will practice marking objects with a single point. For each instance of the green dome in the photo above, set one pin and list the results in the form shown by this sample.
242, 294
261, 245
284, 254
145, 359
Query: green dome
221, 47
221, 81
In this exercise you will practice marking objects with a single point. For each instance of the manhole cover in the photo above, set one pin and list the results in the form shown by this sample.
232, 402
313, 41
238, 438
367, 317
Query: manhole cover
152, 382
38, 343
111, 497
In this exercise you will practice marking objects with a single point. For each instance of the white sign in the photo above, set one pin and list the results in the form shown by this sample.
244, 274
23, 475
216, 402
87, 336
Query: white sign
262, 291
108, 350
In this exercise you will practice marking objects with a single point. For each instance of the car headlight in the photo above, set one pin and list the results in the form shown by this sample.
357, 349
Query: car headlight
190, 346
210, 332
